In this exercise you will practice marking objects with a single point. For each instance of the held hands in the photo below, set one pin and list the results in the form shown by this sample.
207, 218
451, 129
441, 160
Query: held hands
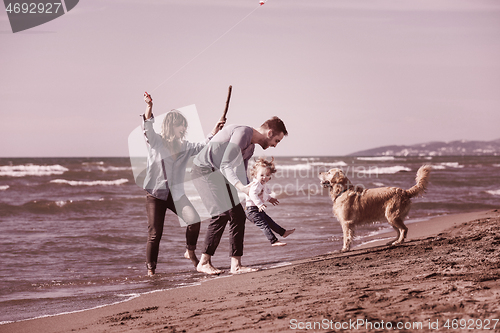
243, 188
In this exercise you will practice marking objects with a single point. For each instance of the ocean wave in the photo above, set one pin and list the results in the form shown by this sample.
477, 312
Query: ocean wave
93, 163
85, 206
4, 187
305, 158
34, 207
453, 165
494, 192
90, 183
333, 164
496, 165
377, 158
113, 168
384, 170
101, 166
442, 166
62, 203
31, 170
309, 166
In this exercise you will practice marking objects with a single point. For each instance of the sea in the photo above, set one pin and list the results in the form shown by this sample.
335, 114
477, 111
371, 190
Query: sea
73, 230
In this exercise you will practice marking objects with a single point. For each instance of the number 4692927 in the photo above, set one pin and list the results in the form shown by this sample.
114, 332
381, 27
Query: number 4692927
33, 8
471, 324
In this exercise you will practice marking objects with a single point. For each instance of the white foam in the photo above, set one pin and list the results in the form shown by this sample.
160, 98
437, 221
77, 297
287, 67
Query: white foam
378, 158
4, 187
62, 203
76, 311
384, 170
333, 164
494, 192
112, 168
310, 166
90, 163
373, 241
294, 167
455, 165
305, 158
31, 170
90, 183
281, 264
446, 165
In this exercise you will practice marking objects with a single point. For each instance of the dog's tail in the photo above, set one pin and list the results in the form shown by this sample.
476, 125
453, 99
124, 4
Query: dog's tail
422, 180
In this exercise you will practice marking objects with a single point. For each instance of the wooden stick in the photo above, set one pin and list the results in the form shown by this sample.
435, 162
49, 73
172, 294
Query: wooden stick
223, 118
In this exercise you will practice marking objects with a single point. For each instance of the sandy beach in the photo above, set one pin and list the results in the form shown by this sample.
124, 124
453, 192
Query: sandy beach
443, 278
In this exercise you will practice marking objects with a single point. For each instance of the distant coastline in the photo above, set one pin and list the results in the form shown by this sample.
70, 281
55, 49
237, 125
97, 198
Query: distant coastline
437, 148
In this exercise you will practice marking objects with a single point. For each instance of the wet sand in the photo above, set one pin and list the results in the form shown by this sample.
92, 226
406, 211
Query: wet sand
446, 274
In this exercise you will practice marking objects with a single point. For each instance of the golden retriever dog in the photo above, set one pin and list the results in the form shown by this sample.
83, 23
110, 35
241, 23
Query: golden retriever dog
353, 206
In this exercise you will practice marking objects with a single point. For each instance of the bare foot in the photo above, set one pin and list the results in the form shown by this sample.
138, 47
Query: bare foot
288, 233
243, 269
278, 243
208, 269
189, 254
238, 268
151, 272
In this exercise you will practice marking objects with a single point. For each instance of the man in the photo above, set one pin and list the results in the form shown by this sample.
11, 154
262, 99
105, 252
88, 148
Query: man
219, 170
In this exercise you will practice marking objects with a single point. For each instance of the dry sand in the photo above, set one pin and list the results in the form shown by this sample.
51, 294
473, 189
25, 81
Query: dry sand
448, 269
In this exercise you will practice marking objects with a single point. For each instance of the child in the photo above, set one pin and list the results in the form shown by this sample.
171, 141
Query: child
260, 193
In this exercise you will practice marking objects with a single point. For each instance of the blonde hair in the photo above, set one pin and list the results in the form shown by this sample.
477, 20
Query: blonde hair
263, 163
173, 119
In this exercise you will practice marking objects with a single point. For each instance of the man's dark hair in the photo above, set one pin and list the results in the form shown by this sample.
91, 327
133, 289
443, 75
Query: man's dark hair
276, 125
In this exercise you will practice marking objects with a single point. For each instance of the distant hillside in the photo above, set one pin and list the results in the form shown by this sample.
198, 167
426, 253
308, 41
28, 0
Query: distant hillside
436, 149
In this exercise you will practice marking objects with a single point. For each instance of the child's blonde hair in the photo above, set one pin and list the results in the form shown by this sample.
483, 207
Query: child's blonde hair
263, 163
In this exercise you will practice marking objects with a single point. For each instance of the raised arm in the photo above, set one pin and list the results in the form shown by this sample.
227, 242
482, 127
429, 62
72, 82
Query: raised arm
220, 124
152, 138
149, 108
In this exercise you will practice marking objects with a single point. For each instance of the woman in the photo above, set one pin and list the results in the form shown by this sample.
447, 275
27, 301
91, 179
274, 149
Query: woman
168, 154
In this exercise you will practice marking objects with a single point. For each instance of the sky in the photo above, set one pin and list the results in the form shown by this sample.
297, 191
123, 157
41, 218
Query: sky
344, 75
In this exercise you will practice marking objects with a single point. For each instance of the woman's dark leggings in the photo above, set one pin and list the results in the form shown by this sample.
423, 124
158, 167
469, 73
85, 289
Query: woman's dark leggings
156, 210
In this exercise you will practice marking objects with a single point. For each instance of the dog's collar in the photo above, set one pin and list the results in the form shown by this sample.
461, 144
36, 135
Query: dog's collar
338, 195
